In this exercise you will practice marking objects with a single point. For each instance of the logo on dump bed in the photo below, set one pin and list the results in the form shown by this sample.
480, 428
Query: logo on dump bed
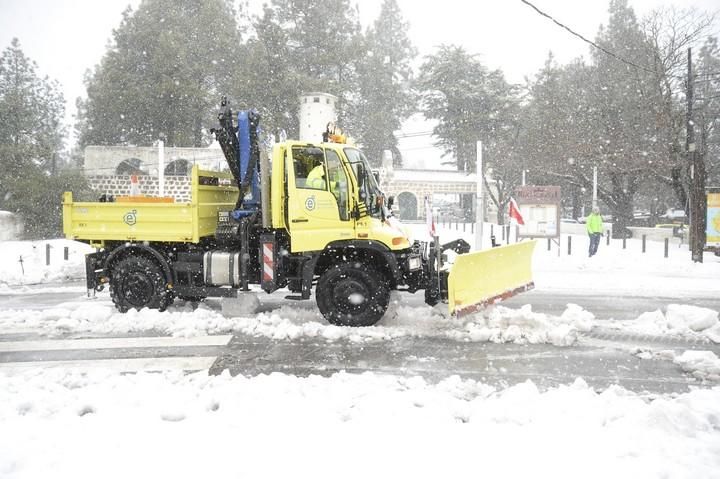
130, 217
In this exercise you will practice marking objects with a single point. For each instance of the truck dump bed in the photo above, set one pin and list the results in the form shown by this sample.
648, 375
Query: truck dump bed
137, 219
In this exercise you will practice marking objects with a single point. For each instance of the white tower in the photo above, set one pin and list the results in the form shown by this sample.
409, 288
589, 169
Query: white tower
316, 111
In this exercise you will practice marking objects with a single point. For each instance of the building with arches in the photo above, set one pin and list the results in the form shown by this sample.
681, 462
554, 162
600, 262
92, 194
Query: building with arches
411, 186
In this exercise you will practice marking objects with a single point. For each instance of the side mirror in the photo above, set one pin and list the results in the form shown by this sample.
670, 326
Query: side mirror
376, 174
390, 202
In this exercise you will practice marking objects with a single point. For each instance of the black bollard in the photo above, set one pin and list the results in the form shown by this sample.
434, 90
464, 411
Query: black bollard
667, 243
643, 242
569, 245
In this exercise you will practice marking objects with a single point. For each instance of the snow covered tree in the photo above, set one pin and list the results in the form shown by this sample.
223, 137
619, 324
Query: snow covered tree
31, 144
31, 113
270, 83
323, 40
384, 96
465, 98
168, 65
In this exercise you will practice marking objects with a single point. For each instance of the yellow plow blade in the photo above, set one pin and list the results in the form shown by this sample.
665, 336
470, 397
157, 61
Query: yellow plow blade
484, 277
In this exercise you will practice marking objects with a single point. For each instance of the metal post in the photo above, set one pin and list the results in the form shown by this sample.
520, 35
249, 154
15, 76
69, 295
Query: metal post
464, 226
594, 197
161, 168
624, 242
472, 227
667, 243
569, 245
479, 201
502, 238
643, 243
607, 238
47, 254
507, 235
549, 243
66, 253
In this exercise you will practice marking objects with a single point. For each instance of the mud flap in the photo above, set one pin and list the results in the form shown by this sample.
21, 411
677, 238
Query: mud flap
484, 277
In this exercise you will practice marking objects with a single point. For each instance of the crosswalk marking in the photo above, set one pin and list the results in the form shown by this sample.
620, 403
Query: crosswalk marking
114, 343
117, 365
119, 354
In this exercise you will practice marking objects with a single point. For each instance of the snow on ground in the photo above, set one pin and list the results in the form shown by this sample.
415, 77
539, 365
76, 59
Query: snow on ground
497, 324
703, 365
66, 424
679, 321
33, 268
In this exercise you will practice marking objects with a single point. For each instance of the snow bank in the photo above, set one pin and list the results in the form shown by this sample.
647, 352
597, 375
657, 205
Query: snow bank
498, 324
703, 365
65, 424
33, 268
679, 321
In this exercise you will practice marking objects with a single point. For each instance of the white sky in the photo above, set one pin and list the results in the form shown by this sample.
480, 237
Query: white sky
67, 37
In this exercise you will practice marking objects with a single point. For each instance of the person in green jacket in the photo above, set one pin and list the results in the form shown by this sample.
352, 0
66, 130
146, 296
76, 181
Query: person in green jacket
594, 224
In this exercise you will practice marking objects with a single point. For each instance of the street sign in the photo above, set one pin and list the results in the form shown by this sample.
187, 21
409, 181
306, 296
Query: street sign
540, 209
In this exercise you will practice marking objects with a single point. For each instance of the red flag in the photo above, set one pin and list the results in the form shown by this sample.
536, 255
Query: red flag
515, 213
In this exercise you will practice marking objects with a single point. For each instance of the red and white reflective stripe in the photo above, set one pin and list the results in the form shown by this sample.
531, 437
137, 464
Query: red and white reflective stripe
268, 262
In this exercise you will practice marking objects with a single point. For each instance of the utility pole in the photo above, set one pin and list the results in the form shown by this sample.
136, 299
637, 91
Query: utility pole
479, 200
594, 197
697, 176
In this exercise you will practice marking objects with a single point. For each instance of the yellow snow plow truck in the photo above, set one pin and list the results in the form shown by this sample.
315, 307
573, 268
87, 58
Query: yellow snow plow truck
303, 216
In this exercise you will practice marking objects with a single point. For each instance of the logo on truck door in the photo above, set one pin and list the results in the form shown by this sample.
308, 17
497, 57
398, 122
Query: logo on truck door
310, 203
130, 217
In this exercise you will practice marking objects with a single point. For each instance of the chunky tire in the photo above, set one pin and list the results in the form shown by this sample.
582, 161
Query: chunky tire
352, 294
138, 282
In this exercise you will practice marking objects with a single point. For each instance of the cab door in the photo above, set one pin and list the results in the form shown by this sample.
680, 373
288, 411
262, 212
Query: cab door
318, 199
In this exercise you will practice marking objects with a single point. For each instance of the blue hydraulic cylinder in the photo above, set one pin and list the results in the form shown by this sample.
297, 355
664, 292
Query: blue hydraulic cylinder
244, 158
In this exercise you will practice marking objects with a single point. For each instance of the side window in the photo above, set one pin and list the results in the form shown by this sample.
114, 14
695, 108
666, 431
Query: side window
309, 167
338, 183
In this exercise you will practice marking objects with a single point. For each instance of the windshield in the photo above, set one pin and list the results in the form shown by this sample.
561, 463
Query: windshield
369, 190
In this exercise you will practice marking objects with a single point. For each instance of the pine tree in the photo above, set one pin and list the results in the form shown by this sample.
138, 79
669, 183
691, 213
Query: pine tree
31, 112
384, 98
465, 98
169, 63
31, 144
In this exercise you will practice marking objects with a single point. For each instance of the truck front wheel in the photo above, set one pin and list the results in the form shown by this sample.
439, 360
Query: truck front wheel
138, 282
352, 294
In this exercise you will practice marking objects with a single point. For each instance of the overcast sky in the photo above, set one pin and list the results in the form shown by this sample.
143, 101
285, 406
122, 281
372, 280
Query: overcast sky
67, 37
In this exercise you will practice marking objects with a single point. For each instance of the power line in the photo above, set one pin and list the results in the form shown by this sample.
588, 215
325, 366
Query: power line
414, 134
590, 42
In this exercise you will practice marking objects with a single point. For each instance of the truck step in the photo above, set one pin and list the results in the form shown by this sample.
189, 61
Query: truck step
294, 298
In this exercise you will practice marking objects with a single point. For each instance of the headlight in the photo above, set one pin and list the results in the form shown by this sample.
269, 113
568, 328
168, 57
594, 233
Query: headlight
414, 263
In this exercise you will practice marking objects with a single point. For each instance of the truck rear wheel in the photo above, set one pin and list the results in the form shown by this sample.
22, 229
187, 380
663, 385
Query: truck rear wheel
352, 294
138, 282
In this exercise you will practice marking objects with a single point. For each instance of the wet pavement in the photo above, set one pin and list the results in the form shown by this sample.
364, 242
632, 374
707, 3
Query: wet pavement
600, 363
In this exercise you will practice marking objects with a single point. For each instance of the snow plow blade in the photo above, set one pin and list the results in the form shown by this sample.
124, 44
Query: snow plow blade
484, 277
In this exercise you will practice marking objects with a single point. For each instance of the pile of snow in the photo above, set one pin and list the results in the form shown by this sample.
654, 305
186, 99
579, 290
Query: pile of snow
65, 424
679, 321
497, 324
704, 365
33, 268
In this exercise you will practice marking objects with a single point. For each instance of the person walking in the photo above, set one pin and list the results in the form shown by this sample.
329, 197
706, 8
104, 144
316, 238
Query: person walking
594, 225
